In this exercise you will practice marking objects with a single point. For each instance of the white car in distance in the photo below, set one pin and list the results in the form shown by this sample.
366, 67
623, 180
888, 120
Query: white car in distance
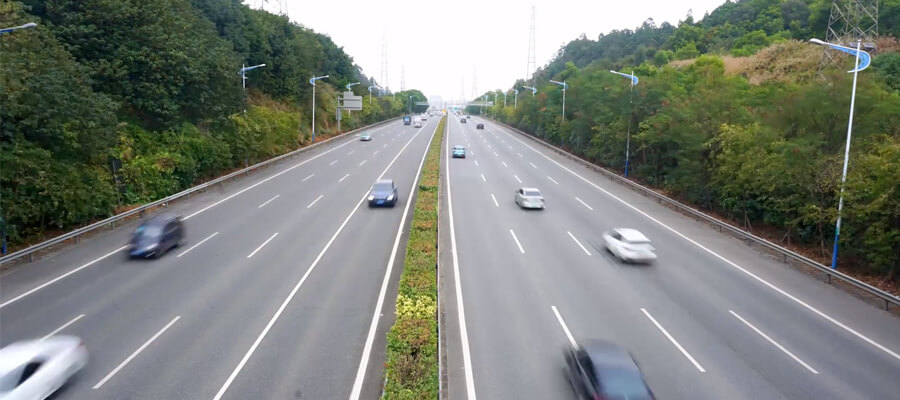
35, 369
629, 245
529, 198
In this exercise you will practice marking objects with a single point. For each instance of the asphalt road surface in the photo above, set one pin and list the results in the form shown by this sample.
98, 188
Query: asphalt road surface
711, 319
274, 295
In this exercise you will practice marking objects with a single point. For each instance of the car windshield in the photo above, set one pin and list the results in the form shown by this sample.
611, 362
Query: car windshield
9, 379
148, 231
381, 187
458, 148
621, 383
532, 193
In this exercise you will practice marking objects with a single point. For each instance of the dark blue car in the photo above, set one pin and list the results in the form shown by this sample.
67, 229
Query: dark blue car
383, 194
156, 237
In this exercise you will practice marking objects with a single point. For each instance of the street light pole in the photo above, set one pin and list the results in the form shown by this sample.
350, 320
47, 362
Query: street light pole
565, 86
533, 90
243, 73
516, 99
370, 92
866, 60
634, 81
313, 83
2, 210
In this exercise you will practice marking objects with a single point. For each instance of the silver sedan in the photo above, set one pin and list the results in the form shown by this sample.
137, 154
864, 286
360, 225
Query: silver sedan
529, 198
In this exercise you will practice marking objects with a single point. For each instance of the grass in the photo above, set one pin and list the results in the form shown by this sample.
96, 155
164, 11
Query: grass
412, 363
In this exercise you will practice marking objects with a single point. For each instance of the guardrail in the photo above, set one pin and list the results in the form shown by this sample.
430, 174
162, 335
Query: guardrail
140, 211
787, 255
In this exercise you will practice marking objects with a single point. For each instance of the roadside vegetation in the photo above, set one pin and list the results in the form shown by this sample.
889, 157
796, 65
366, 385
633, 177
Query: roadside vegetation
730, 115
109, 104
411, 369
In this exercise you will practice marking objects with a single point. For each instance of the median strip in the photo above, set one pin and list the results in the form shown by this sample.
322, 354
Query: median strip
411, 367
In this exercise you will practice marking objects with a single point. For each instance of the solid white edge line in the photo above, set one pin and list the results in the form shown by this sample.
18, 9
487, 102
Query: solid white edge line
584, 204
578, 243
273, 177
262, 245
517, 178
135, 354
198, 244
461, 315
564, 326
482, 178
269, 201
774, 343
64, 326
552, 180
307, 178
495, 200
315, 201
296, 288
674, 342
342, 178
376, 316
58, 278
517, 241
725, 260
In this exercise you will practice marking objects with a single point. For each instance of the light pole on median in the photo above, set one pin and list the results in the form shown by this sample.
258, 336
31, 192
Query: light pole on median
2, 210
313, 83
370, 92
410, 104
863, 59
634, 81
564, 87
516, 99
243, 73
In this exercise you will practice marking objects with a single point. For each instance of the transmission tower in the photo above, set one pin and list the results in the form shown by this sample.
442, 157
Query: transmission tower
384, 65
402, 78
280, 6
531, 66
850, 20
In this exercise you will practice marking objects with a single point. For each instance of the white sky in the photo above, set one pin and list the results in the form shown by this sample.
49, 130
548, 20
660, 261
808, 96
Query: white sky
441, 43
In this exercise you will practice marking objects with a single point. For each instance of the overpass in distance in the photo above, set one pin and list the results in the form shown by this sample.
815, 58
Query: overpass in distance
274, 295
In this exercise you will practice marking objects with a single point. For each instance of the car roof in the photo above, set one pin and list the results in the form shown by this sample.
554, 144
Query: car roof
160, 219
632, 235
530, 189
17, 353
605, 354
458, 147
390, 181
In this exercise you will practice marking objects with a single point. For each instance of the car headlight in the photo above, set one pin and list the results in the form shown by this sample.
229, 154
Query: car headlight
371, 197
391, 197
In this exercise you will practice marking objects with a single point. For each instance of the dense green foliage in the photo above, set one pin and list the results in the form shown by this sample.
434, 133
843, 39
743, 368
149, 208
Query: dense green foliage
758, 140
412, 365
151, 87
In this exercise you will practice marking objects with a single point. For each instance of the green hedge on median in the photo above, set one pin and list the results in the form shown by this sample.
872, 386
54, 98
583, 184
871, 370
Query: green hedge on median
412, 362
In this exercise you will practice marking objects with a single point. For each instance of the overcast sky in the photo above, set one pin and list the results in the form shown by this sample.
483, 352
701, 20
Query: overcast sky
441, 44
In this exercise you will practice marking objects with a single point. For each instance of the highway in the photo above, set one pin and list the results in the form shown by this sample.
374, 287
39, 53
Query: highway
273, 297
711, 319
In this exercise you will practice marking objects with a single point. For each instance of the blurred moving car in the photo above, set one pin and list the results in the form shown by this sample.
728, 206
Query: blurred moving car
529, 198
35, 369
383, 193
156, 236
365, 137
459, 152
479, 126
601, 370
418, 124
629, 245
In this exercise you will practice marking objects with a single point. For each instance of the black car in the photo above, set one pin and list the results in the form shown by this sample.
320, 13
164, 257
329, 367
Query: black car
479, 126
384, 193
462, 120
156, 236
603, 370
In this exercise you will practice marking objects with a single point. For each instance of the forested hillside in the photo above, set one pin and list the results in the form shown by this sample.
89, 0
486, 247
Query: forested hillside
730, 115
112, 103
